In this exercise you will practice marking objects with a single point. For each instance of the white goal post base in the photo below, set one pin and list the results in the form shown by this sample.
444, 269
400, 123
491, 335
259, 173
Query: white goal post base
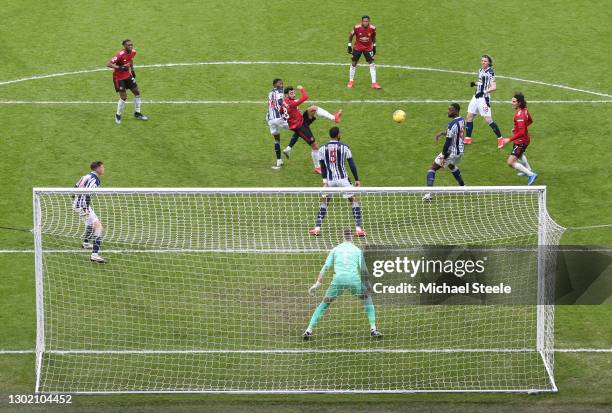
206, 291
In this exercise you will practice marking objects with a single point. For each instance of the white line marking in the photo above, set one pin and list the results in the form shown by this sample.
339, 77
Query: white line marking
17, 351
390, 66
590, 227
258, 102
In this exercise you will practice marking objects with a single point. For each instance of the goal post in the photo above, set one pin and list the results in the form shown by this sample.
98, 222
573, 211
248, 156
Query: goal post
205, 290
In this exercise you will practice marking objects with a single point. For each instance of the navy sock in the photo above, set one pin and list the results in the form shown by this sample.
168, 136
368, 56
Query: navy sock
468, 129
431, 177
293, 140
457, 175
322, 212
496, 130
357, 215
277, 149
96, 245
88, 233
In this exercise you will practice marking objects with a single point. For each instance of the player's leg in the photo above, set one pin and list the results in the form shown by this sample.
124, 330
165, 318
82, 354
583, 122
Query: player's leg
97, 233
359, 289
120, 89
353, 67
292, 142
275, 132
314, 111
523, 160
370, 59
357, 216
431, 174
330, 295
456, 174
137, 102
489, 119
320, 216
87, 236
469, 120
513, 162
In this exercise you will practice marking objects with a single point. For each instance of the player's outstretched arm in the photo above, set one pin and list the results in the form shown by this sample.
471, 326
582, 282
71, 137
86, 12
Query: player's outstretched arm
349, 49
316, 285
353, 167
304, 95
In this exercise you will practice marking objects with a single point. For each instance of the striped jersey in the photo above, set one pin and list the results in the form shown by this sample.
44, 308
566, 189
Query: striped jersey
81, 201
275, 102
454, 137
348, 263
485, 78
334, 155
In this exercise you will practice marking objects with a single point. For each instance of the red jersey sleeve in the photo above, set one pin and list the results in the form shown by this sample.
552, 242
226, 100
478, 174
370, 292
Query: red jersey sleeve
299, 101
373, 33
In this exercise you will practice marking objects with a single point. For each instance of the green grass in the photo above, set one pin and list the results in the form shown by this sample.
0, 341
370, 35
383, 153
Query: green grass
228, 145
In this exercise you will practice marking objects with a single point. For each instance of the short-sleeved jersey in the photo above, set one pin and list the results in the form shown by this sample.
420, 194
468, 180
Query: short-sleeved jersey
122, 58
485, 78
348, 263
275, 102
365, 37
454, 137
334, 155
292, 113
82, 201
522, 119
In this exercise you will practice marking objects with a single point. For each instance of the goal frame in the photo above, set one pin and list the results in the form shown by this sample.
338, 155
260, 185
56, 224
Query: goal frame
540, 308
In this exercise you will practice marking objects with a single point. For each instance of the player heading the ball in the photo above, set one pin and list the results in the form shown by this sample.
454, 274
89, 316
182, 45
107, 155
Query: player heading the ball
365, 43
124, 78
480, 103
334, 155
349, 268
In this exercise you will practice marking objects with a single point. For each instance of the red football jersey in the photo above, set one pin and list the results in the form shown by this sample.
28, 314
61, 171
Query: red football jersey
123, 58
364, 37
522, 119
292, 112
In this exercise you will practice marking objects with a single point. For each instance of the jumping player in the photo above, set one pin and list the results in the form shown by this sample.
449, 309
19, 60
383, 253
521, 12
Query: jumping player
334, 155
124, 78
520, 138
480, 103
452, 152
365, 43
300, 122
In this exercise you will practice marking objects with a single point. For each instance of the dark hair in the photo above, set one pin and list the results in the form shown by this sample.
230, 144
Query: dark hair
365, 17
489, 58
334, 132
125, 41
95, 165
347, 233
275, 81
288, 89
520, 98
456, 106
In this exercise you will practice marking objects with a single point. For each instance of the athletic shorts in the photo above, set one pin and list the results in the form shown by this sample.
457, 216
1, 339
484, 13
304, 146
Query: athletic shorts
87, 215
357, 289
276, 125
480, 106
304, 131
451, 160
369, 55
519, 149
125, 84
340, 183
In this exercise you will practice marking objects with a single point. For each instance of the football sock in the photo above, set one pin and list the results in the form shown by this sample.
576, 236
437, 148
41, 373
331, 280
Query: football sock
294, 139
431, 177
373, 72
88, 233
357, 214
325, 114
315, 157
352, 72
458, 177
524, 161
468, 129
321, 215
318, 313
120, 106
519, 167
371, 313
96, 244
137, 102
277, 149
496, 130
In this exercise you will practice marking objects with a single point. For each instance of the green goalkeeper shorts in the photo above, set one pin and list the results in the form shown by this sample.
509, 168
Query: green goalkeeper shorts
356, 289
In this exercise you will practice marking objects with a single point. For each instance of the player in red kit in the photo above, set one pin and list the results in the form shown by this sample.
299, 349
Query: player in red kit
365, 43
299, 122
520, 138
124, 78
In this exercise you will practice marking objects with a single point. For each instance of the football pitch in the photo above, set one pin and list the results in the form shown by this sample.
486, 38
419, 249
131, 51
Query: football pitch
204, 70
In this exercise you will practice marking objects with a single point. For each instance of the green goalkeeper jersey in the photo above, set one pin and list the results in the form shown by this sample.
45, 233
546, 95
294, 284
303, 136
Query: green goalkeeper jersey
348, 262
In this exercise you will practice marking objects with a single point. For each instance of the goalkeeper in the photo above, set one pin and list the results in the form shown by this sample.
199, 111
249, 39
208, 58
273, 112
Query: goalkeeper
349, 266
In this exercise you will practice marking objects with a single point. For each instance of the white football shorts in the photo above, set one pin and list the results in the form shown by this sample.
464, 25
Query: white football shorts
276, 125
479, 106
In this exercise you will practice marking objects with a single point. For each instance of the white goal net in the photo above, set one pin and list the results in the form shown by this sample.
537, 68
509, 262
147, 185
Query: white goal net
206, 290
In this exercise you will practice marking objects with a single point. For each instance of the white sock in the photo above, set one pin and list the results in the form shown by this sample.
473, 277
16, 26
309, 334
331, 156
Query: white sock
524, 161
137, 104
120, 106
315, 157
373, 72
519, 167
325, 114
352, 72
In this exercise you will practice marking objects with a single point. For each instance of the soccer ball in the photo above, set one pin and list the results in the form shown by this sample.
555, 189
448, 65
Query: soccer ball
399, 116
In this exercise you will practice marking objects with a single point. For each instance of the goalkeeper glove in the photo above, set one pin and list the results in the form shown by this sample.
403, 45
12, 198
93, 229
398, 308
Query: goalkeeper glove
472, 84
349, 49
314, 288
479, 95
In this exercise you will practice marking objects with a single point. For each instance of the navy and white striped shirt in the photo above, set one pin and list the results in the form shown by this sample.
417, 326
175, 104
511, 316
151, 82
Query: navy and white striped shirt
485, 78
333, 156
275, 102
453, 146
81, 201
